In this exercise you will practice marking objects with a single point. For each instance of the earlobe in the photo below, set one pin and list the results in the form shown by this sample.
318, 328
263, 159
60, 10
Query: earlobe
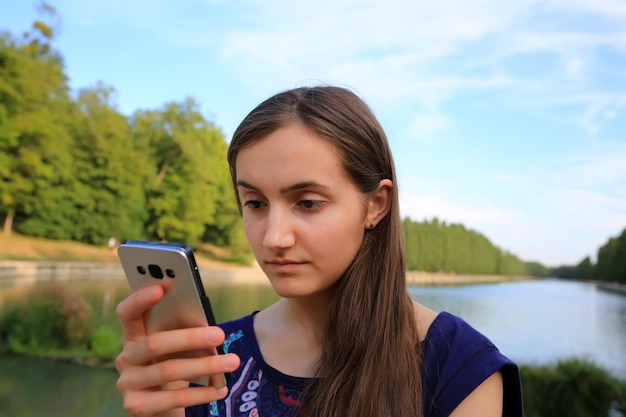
380, 204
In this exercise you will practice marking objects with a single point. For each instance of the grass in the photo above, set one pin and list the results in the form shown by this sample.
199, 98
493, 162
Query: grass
24, 248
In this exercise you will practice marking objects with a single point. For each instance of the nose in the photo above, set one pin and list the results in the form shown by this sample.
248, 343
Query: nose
279, 232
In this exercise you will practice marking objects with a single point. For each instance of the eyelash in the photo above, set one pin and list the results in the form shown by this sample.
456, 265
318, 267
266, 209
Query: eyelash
313, 204
308, 205
253, 205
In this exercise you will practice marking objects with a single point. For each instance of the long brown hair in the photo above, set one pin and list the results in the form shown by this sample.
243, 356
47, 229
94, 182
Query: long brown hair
371, 357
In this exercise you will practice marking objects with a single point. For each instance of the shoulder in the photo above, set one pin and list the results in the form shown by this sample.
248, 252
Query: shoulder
457, 360
424, 318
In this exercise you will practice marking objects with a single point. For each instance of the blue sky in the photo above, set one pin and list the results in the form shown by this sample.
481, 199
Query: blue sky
508, 117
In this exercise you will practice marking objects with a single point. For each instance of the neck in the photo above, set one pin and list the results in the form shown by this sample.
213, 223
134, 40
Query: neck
289, 334
306, 314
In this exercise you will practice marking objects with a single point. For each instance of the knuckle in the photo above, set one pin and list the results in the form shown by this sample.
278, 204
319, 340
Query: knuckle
119, 310
133, 406
180, 398
151, 345
121, 384
167, 371
120, 361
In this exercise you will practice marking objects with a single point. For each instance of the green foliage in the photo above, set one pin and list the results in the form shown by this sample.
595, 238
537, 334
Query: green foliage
75, 168
105, 343
434, 246
611, 265
51, 317
573, 388
189, 197
9, 323
34, 145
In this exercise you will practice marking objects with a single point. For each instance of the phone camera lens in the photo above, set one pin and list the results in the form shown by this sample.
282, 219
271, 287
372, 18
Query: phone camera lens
170, 273
155, 271
141, 270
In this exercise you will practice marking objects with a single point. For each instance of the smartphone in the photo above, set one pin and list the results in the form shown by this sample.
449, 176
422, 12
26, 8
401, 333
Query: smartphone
185, 304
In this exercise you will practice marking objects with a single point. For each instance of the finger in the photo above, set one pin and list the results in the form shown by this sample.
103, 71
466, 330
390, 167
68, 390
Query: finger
173, 341
166, 372
218, 380
131, 310
157, 402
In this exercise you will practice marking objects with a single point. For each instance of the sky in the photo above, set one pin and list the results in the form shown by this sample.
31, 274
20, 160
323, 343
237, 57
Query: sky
506, 116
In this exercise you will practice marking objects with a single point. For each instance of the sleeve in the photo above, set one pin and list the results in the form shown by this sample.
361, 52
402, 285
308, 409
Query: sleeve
457, 359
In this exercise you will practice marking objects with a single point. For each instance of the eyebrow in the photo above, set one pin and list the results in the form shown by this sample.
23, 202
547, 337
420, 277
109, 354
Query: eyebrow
295, 187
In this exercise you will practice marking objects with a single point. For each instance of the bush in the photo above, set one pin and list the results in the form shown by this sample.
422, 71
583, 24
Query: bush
51, 317
105, 343
573, 388
9, 319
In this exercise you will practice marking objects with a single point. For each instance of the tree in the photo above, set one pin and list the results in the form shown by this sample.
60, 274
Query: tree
111, 170
611, 265
188, 192
34, 147
434, 246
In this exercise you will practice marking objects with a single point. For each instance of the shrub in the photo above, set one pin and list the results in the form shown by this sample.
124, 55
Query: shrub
105, 343
50, 317
573, 388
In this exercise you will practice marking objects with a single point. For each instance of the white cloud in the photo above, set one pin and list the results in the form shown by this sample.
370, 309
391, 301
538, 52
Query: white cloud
426, 125
557, 60
478, 217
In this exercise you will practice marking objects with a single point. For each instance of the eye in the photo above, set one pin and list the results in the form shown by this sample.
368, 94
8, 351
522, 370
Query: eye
254, 204
310, 204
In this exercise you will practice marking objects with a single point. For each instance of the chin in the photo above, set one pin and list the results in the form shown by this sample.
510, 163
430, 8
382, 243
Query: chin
294, 290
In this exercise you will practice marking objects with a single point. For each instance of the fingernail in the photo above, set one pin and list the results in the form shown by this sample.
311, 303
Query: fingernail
213, 337
222, 392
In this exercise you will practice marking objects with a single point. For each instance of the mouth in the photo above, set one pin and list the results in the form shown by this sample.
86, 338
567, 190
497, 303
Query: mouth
284, 265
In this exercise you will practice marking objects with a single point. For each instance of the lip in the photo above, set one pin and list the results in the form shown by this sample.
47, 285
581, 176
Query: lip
284, 266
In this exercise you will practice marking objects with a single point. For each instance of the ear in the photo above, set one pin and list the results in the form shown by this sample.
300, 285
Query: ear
379, 204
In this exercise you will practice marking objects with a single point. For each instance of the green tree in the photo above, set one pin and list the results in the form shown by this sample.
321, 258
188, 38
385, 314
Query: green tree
611, 265
435, 246
34, 147
189, 197
110, 171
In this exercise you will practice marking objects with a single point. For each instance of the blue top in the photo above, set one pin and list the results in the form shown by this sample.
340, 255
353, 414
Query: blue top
457, 359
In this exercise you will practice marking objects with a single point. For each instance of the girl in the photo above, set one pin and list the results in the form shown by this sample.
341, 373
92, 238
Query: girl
317, 189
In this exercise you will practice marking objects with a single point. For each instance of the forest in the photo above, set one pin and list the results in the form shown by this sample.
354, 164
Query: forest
73, 167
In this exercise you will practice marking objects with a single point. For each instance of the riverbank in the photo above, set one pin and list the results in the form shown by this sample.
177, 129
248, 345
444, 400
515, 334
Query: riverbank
32, 272
615, 288
26, 260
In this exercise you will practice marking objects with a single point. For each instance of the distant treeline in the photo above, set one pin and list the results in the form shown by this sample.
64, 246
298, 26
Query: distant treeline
435, 246
72, 167
610, 266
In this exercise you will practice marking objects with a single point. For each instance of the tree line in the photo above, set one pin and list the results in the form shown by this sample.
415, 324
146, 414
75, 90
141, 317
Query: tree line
435, 246
610, 265
73, 167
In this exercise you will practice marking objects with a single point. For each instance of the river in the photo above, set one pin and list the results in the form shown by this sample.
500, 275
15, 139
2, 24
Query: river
532, 322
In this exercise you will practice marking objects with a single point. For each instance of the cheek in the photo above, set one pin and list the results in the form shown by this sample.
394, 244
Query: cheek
251, 230
338, 240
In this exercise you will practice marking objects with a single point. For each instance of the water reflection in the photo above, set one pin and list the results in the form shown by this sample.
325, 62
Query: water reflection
531, 322
35, 387
541, 321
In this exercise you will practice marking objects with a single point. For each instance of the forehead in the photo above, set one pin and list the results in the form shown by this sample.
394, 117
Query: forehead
291, 153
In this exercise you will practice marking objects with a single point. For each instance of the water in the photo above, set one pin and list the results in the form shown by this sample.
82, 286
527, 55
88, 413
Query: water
533, 322
540, 322
35, 387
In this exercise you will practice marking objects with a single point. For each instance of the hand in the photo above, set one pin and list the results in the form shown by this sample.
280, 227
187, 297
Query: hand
152, 388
